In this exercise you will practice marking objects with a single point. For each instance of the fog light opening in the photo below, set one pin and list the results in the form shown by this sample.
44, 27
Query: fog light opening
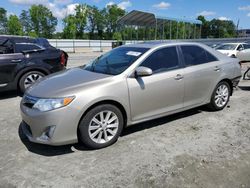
48, 133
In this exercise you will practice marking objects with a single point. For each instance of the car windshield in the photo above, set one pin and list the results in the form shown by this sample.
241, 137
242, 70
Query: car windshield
227, 47
116, 61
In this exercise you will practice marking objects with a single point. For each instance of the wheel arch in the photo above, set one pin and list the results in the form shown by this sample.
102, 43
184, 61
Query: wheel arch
112, 102
230, 84
29, 69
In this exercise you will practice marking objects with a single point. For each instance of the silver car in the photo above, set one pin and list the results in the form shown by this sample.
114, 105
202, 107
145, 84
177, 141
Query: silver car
126, 86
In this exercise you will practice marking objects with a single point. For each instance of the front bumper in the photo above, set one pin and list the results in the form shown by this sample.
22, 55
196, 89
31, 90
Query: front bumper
56, 127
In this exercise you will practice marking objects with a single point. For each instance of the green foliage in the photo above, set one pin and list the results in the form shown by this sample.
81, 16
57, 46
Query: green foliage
3, 21
80, 20
26, 22
96, 22
43, 21
113, 13
14, 25
69, 30
217, 28
117, 36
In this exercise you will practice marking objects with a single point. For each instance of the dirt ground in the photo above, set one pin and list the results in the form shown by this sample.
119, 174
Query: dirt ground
195, 148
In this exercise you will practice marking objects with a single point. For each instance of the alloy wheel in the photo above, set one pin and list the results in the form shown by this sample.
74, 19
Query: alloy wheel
103, 127
221, 95
30, 79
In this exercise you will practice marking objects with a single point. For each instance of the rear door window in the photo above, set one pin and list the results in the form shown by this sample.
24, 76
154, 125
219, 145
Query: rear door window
162, 60
25, 47
195, 55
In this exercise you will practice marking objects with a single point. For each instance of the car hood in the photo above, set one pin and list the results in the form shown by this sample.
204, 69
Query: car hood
65, 83
225, 51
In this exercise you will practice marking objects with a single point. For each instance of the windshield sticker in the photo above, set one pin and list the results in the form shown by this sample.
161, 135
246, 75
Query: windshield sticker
134, 53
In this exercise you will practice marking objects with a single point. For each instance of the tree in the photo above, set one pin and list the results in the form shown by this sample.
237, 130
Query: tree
26, 22
96, 21
3, 21
217, 28
14, 26
113, 13
69, 30
43, 21
80, 20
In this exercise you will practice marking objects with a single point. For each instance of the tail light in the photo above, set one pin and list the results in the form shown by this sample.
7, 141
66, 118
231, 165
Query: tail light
63, 59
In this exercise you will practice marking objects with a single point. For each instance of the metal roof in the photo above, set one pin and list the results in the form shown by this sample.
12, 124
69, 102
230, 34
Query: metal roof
140, 18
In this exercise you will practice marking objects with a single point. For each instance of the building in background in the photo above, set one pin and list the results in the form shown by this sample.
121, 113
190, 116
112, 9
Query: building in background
243, 33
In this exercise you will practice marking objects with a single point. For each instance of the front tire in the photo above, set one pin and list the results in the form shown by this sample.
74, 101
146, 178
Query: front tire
101, 126
28, 79
220, 96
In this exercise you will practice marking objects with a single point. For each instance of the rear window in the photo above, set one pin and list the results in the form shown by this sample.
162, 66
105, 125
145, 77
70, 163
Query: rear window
195, 55
25, 47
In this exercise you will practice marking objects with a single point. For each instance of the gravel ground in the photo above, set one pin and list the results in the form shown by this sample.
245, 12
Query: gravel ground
195, 148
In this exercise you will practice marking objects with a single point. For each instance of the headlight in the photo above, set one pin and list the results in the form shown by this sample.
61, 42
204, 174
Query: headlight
44, 105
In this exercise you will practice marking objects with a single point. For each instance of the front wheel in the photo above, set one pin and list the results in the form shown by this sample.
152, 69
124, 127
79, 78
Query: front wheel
28, 79
101, 126
220, 96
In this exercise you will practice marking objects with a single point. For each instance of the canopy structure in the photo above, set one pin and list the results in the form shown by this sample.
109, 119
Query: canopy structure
162, 25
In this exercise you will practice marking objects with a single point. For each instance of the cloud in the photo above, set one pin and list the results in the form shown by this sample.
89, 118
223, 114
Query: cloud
110, 3
244, 8
29, 2
62, 12
124, 5
248, 14
206, 13
162, 5
223, 18
59, 8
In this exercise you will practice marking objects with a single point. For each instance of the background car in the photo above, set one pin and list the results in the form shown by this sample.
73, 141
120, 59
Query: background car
128, 85
231, 49
244, 55
23, 60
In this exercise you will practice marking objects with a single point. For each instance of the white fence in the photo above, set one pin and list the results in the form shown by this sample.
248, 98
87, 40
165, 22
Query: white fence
70, 45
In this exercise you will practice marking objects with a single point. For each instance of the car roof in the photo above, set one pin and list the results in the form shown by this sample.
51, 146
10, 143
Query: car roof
17, 39
155, 44
234, 43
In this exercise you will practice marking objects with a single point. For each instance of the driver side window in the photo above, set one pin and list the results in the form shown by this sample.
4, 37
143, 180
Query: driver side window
162, 60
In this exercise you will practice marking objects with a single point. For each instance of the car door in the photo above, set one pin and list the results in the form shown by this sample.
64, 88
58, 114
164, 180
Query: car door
8, 64
161, 92
201, 73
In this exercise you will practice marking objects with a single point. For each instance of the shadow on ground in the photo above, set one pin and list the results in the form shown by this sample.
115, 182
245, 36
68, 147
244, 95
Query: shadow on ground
245, 88
9, 94
49, 151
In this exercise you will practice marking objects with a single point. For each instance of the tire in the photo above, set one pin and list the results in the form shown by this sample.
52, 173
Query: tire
28, 79
96, 134
218, 96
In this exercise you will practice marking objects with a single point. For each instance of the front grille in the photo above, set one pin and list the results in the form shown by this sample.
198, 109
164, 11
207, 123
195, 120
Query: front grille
29, 101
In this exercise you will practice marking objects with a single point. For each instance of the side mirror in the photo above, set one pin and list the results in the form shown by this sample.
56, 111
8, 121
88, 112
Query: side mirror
143, 71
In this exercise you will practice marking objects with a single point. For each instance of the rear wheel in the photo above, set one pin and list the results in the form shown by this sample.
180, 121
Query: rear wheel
220, 96
28, 79
101, 126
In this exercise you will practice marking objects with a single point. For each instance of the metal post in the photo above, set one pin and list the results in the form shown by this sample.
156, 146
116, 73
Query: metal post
170, 30
163, 34
177, 34
194, 31
156, 29
200, 30
184, 31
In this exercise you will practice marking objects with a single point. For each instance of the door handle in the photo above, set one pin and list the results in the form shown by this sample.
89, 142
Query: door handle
216, 68
16, 60
178, 77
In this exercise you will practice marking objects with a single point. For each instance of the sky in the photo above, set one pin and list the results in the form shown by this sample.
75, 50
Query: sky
221, 9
